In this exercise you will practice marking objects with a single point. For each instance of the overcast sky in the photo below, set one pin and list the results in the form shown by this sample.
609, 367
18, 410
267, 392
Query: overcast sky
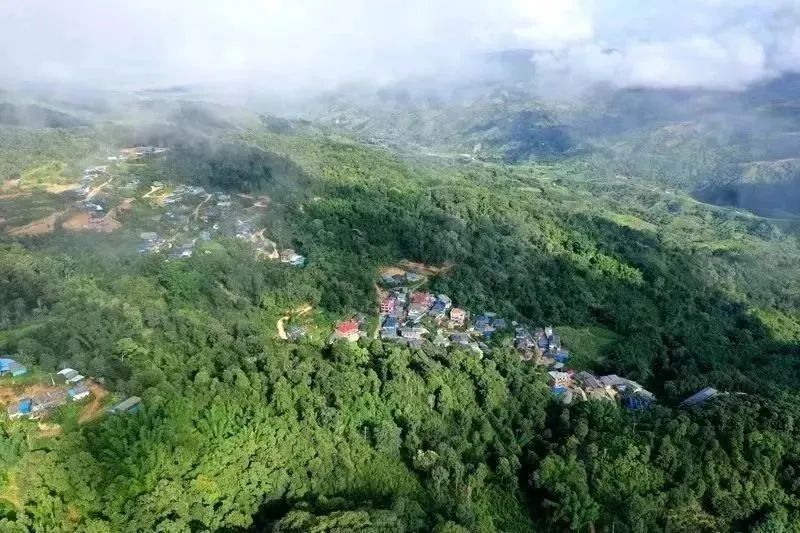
655, 43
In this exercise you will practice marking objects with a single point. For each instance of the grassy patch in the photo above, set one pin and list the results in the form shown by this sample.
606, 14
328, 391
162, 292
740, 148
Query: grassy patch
587, 346
48, 173
632, 222
783, 327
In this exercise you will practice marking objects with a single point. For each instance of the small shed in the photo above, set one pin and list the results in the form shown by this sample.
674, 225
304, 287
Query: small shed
79, 392
130, 405
699, 397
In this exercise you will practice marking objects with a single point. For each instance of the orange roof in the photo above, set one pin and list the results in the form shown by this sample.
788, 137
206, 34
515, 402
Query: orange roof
350, 326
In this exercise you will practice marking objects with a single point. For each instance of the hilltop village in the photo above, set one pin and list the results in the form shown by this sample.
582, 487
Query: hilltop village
410, 315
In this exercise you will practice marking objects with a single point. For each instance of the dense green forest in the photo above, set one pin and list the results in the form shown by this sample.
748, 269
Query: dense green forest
243, 432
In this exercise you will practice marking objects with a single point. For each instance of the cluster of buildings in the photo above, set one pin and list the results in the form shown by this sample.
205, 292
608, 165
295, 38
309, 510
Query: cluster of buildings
586, 386
543, 347
264, 247
37, 405
409, 316
88, 202
68, 385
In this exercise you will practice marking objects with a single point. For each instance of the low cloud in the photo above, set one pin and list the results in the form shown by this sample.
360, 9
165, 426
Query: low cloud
723, 44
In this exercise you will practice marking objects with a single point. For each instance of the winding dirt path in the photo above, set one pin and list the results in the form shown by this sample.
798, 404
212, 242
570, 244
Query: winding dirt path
97, 189
94, 408
197, 209
151, 191
300, 311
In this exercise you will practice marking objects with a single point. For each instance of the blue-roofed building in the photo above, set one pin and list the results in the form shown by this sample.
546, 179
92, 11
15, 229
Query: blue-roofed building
699, 397
638, 400
389, 327
499, 323
482, 321
438, 310
11, 367
543, 343
561, 356
22, 409
483, 325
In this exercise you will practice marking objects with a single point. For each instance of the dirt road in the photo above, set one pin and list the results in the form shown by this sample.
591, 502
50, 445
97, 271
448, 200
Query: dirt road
97, 189
300, 311
152, 190
95, 407
197, 209
281, 331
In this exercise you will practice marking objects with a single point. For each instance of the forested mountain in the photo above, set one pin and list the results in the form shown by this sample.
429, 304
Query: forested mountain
729, 148
543, 223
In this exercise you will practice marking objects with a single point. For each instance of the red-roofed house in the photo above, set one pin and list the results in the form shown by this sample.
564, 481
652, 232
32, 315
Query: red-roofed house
422, 298
347, 330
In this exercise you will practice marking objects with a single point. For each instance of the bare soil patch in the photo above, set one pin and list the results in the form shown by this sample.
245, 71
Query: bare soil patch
427, 270
391, 271
10, 394
37, 227
95, 407
125, 205
83, 222
61, 188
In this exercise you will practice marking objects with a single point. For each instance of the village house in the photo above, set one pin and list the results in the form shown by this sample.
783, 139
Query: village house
559, 381
70, 376
561, 356
387, 304
700, 397
295, 333
588, 381
100, 169
415, 312
483, 324
412, 277
422, 298
46, 401
292, 257
636, 399
438, 310
461, 338
389, 327
79, 393
412, 332
457, 317
130, 405
347, 330
10, 367
21, 409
